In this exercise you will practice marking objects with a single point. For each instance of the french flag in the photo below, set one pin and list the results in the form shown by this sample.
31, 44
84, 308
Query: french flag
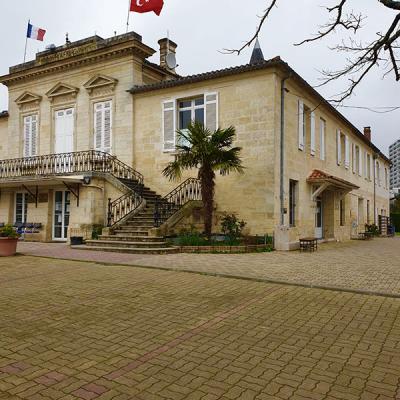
35, 32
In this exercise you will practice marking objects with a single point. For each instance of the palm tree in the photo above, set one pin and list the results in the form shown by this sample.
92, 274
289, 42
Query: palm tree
208, 151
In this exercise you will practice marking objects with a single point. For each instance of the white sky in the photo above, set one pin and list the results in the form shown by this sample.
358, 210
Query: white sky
202, 29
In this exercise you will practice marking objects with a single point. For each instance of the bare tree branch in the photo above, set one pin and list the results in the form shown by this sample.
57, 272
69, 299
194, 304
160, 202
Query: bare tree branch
383, 52
258, 30
395, 5
351, 22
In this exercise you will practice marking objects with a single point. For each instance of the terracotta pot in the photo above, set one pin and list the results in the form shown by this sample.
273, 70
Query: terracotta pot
8, 247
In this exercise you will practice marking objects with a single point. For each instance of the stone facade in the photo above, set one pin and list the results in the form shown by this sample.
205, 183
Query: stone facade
80, 75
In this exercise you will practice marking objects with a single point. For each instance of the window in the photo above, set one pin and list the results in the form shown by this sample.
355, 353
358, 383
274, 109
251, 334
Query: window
322, 130
30, 135
378, 173
343, 149
386, 178
342, 213
306, 128
103, 126
292, 202
21, 207
368, 166
178, 114
357, 165
190, 111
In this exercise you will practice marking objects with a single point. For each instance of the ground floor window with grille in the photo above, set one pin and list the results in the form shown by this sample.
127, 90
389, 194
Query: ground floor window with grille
292, 202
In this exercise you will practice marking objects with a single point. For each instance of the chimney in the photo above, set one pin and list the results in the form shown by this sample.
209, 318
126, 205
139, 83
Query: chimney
167, 46
367, 132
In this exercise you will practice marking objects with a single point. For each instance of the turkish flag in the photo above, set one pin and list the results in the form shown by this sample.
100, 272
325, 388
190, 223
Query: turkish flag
144, 6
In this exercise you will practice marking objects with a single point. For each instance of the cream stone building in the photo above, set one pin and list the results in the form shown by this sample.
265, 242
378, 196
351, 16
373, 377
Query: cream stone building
92, 124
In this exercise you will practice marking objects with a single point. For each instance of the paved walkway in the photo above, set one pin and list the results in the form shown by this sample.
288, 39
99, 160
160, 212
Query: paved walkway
365, 267
80, 331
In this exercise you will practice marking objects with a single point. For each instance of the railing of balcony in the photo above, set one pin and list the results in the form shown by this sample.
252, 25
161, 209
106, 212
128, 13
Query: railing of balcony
68, 163
189, 190
81, 162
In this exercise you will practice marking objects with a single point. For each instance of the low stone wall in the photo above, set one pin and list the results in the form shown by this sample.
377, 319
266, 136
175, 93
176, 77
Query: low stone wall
224, 249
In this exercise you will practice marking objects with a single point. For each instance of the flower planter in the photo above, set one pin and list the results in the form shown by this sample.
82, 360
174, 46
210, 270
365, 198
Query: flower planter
76, 240
8, 247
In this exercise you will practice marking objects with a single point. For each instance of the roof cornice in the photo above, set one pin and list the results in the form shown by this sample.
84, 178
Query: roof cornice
70, 57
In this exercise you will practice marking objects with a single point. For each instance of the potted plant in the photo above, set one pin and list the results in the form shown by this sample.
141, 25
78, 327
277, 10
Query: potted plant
8, 241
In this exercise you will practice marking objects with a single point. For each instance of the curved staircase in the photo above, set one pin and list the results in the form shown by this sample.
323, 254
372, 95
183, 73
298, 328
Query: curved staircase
133, 235
130, 217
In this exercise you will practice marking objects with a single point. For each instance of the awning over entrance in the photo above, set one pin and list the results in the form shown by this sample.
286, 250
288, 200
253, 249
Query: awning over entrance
323, 181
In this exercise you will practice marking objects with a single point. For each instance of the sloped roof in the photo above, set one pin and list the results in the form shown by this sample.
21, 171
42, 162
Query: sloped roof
276, 62
318, 176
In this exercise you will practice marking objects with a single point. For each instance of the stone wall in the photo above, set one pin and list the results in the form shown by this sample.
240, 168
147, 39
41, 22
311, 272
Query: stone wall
245, 101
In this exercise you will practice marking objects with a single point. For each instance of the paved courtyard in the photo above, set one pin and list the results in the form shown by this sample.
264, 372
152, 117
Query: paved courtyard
365, 267
79, 330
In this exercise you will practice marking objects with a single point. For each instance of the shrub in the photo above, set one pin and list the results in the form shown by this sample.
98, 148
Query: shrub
232, 227
374, 229
8, 232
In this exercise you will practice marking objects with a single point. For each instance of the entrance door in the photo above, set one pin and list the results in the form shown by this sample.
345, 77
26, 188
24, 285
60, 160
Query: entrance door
319, 219
64, 131
61, 215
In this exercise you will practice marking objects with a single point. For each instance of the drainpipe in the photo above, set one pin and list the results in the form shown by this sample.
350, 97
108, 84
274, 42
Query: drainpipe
282, 152
375, 216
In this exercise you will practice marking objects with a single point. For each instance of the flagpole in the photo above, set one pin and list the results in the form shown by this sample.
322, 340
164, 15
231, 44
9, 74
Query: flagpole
129, 14
26, 41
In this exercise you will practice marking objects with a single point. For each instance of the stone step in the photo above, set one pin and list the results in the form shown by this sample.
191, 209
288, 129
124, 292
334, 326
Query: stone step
131, 238
140, 224
124, 243
165, 250
131, 230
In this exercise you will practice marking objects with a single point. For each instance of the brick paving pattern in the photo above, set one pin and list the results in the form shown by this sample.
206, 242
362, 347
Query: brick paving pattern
372, 266
75, 330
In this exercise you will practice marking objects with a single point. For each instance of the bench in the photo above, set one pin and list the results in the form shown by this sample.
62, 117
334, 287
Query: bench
23, 228
309, 244
365, 236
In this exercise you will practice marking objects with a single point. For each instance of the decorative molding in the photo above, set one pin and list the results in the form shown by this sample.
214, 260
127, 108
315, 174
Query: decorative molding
62, 89
28, 99
100, 82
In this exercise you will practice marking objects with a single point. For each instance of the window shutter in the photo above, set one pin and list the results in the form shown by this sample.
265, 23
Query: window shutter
347, 152
378, 168
27, 136
169, 124
107, 127
30, 135
301, 125
98, 126
34, 135
69, 130
312, 133
211, 115
360, 162
338, 147
322, 139
371, 166
353, 146
366, 165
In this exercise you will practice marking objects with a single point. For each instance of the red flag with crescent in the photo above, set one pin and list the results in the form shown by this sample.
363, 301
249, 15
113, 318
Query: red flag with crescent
144, 6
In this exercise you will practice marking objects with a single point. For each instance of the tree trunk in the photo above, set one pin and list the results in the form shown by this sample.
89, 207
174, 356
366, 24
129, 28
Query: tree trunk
207, 177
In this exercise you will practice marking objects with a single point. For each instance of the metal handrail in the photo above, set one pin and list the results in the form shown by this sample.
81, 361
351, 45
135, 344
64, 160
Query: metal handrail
80, 162
189, 190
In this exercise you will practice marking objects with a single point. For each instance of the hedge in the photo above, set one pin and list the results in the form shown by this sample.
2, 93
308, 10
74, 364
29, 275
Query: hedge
395, 218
